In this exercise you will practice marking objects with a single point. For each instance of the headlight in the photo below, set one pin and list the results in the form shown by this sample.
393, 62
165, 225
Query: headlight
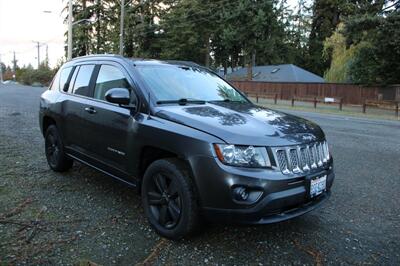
247, 156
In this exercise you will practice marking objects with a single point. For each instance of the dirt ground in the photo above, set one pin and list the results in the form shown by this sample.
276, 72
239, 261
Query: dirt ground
83, 217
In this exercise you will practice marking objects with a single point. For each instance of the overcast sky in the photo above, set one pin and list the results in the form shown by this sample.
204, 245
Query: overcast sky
24, 21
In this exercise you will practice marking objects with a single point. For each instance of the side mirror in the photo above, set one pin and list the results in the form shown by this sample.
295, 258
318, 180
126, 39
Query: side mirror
119, 96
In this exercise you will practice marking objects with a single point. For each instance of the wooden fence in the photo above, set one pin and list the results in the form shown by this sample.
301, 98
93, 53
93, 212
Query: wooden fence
349, 93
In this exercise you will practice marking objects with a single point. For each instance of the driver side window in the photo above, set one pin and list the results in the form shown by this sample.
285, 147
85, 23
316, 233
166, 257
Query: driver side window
109, 77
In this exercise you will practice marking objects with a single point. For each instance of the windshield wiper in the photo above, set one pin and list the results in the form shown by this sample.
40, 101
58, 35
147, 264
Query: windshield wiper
182, 101
227, 101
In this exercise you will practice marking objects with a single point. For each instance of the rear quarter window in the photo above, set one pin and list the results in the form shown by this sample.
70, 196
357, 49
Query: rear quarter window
55, 82
63, 79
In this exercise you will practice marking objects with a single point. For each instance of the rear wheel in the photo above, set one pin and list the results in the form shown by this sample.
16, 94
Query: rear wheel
169, 199
56, 158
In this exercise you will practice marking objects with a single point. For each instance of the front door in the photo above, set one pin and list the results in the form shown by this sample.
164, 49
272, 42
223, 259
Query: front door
108, 125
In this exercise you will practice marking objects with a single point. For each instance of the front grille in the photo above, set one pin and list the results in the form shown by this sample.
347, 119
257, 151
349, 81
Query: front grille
301, 158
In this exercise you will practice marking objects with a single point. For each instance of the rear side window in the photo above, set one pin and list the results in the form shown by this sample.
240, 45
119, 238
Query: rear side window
109, 77
54, 83
64, 75
82, 81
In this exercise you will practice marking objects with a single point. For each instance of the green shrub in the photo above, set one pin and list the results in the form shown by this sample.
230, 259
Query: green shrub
28, 75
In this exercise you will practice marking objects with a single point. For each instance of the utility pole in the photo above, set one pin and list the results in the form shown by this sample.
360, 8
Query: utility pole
1, 71
38, 44
38, 54
69, 53
47, 55
14, 66
121, 29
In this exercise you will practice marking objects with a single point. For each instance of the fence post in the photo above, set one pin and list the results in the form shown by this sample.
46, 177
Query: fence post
341, 104
276, 98
364, 107
257, 97
397, 109
292, 102
315, 102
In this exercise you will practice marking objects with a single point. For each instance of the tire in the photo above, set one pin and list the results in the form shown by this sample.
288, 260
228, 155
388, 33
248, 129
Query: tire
54, 149
169, 199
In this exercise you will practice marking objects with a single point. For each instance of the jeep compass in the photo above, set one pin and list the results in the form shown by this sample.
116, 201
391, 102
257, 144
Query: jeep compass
193, 145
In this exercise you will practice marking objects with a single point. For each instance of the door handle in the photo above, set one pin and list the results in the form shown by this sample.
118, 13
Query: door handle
90, 110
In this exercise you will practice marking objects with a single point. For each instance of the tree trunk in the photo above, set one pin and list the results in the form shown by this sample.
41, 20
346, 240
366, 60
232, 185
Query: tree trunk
253, 58
249, 67
98, 26
225, 68
207, 55
86, 32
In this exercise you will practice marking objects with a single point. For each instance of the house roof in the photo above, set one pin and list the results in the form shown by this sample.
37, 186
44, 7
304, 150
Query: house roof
277, 73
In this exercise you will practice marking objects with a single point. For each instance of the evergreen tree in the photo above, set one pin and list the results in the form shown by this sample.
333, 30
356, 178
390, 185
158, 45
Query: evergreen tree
325, 18
378, 59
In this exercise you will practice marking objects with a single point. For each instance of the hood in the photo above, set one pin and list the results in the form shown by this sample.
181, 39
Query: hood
243, 123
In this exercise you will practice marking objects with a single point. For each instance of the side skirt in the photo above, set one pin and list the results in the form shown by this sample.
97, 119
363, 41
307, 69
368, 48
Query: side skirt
130, 184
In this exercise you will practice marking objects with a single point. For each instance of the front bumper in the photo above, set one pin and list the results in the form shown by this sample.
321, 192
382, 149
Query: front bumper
283, 196
266, 216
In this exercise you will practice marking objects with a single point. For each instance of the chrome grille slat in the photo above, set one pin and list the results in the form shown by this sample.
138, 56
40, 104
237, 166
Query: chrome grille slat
304, 159
313, 158
322, 151
282, 161
301, 158
326, 150
319, 155
294, 161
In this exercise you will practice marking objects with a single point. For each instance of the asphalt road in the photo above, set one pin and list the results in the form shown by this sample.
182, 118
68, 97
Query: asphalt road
83, 215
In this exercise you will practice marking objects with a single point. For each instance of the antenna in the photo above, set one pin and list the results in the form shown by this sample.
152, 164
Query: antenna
148, 102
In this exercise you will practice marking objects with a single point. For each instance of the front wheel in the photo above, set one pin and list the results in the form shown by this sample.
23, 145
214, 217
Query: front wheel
56, 158
169, 199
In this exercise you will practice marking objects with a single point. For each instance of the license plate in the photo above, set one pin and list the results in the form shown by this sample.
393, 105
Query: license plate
317, 186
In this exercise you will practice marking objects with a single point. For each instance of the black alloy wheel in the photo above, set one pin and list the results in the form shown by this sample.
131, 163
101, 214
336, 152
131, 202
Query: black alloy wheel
164, 200
169, 198
54, 149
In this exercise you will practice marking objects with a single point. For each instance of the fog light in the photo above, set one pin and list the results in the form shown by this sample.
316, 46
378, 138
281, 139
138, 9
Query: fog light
240, 193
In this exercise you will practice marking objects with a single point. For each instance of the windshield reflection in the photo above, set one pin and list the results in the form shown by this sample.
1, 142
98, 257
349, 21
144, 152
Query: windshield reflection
172, 82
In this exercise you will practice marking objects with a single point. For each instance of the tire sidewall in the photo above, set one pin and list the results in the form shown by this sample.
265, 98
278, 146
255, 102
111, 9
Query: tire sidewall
170, 169
52, 130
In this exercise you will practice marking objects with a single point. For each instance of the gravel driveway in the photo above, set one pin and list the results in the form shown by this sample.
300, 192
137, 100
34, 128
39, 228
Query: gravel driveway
84, 217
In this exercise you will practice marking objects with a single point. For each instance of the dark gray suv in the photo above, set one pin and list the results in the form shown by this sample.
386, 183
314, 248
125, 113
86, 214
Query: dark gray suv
195, 146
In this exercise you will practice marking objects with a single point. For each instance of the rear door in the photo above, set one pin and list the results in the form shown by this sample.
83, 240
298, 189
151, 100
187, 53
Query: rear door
74, 101
109, 125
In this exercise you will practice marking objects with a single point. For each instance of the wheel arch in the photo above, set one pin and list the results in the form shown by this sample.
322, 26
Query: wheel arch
150, 154
47, 121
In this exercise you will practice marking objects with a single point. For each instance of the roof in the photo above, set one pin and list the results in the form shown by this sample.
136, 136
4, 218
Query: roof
277, 73
220, 71
136, 61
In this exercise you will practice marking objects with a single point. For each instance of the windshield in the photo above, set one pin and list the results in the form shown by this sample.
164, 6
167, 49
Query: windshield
173, 83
